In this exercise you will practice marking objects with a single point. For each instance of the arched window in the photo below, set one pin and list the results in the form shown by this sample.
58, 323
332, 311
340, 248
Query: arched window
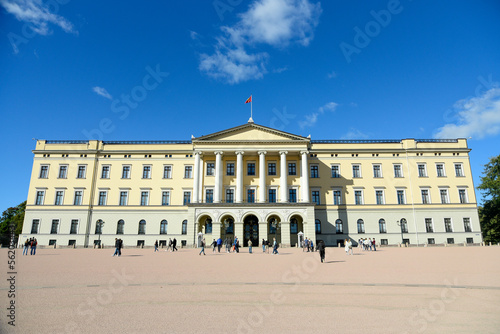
404, 225
381, 226
208, 226
185, 227
339, 227
229, 226
142, 227
120, 226
318, 226
163, 227
294, 226
98, 226
361, 226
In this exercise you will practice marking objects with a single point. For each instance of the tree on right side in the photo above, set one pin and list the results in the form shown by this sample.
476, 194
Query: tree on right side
489, 213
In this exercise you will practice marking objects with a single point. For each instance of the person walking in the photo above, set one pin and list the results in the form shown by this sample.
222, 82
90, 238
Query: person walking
321, 247
227, 243
275, 246
346, 246
214, 244
169, 245
236, 244
263, 245
219, 244
306, 244
117, 247
374, 247
156, 246
311, 245
26, 246
202, 247
174, 245
120, 246
250, 246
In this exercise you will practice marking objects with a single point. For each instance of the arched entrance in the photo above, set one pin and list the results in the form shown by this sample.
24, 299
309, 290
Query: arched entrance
251, 230
274, 228
227, 228
296, 226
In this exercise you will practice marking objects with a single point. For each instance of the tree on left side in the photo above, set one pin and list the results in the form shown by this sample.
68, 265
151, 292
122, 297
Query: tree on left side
12, 217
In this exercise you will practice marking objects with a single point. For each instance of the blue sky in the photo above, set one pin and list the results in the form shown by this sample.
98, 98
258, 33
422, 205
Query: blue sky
332, 69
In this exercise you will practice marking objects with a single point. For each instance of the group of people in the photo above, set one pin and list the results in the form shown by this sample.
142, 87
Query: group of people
118, 247
307, 245
367, 244
30, 244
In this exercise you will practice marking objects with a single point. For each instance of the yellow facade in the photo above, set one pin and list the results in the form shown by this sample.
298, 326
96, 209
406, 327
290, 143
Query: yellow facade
325, 189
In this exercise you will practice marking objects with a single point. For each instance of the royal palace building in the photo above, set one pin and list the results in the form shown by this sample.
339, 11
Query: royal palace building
254, 183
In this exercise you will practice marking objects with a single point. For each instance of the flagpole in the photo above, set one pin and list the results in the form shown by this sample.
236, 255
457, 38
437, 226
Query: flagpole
251, 112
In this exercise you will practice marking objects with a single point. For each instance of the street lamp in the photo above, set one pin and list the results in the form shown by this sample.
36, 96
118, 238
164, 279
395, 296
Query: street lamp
401, 224
99, 223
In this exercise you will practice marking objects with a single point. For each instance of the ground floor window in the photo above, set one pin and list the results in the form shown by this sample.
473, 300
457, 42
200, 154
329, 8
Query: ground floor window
450, 240
470, 240
431, 241
384, 242
52, 242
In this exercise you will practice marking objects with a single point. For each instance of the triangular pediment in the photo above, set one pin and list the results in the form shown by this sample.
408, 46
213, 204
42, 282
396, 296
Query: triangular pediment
250, 132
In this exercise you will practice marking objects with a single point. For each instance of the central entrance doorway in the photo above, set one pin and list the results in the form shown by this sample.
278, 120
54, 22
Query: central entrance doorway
251, 231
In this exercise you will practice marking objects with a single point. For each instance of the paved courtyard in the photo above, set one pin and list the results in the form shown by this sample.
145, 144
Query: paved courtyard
392, 290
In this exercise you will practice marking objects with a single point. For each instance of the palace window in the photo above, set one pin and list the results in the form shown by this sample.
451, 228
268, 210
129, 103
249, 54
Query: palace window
379, 194
188, 172
120, 226
335, 171
229, 195
146, 172
444, 196
63, 172
294, 226
230, 169
404, 225
251, 168
126, 172
102, 197
209, 195
187, 198
98, 227
144, 198
317, 225
361, 226
40, 194
398, 171
401, 197
358, 197
356, 171
462, 196
271, 168
184, 227
292, 195
167, 172
123, 197
381, 226
425, 196
142, 227
314, 171
59, 197
339, 226
210, 168
459, 170
292, 168
74, 226
105, 172
337, 197
78, 197
34, 226
377, 171
163, 227
44, 172
165, 198
428, 225
81, 172
467, 226
440, 170
422, 171
315, 197
55, 226
272, 195
447, 225
251, 195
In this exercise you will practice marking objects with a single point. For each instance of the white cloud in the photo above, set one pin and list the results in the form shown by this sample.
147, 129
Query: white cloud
311, 119
194, 35
354, 134
331, 75
102, 91
277, 23
38, 14
478, 117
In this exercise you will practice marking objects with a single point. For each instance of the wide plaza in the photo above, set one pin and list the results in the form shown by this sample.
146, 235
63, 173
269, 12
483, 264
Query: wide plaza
393, 290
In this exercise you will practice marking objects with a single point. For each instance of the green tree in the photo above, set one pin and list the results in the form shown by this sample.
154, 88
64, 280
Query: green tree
489, 214
12, 217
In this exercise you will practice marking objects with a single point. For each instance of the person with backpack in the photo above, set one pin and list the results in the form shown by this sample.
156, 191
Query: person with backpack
33, 246
26, 247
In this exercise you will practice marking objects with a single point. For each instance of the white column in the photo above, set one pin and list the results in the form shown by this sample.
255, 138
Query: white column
239, 176
262, 176
200, 182
196, 177
218, 176
304, 177
283, 177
